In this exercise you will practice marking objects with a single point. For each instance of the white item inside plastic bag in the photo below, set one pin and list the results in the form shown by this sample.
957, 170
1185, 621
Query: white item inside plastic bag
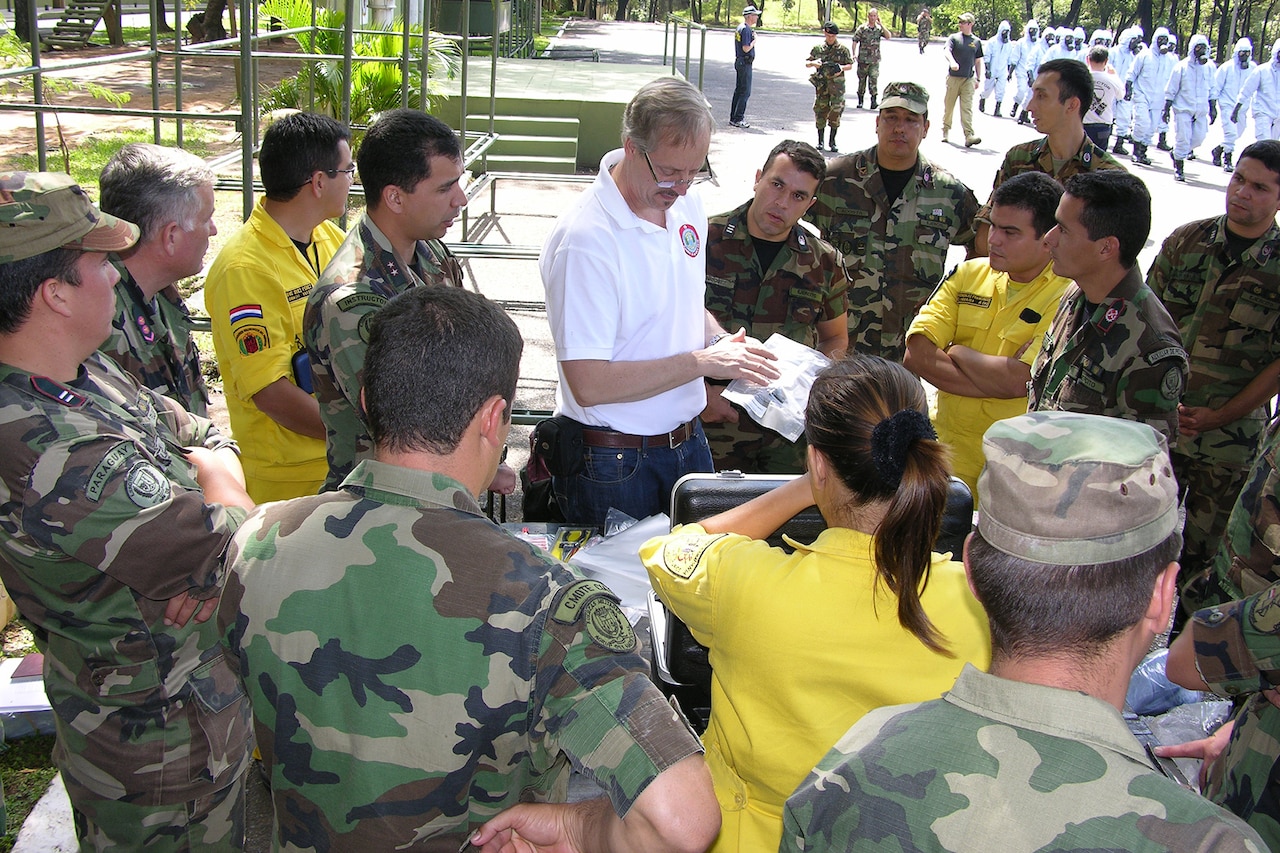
615, 561
780, 405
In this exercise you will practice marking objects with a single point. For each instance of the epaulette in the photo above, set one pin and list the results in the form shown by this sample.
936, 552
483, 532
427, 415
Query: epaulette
47, 387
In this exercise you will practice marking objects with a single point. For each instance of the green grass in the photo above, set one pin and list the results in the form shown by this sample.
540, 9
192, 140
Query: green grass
91, 153
26, 768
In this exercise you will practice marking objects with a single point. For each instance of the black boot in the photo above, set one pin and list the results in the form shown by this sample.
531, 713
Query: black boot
873, 102
997, 112
1140, 154
1217, 155
1226, 161
859, 102
1022, 118
833, 140
1177, 172
1119, 148
821, 137
982, 105
1163, 142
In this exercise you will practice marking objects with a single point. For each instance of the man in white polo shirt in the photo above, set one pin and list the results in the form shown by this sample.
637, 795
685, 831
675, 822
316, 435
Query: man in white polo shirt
624, 272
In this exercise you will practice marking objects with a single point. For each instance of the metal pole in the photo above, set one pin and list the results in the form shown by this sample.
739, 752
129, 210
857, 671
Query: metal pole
348, 48
177, 66
247, 136
424, 78
404, 62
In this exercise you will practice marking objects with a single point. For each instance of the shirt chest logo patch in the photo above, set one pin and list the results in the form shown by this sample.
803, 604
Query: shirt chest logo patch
689, 240
973, 299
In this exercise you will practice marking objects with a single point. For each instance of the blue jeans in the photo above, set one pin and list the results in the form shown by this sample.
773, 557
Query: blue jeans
637, 481
741, 91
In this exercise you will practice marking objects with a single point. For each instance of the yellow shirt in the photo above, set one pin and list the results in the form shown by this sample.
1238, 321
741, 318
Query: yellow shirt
255, 294
980, 308
802, 645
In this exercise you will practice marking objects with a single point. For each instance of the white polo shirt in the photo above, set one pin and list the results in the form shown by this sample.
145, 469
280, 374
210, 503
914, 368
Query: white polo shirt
620, 288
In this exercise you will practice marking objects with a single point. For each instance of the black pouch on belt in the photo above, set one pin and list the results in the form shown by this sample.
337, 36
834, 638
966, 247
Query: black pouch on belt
558, 441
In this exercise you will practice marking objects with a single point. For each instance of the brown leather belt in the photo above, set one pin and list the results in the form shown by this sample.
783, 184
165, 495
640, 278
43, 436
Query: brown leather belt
595, 437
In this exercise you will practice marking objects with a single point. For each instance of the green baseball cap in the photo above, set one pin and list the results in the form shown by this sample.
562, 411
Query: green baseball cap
43, 211
909, 96
1070, 489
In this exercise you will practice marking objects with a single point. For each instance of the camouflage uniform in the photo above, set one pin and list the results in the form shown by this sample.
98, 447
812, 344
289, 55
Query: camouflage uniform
361, 277
805, 286
152, 341
495, 670
894, 256
1035, 156
1227, 313
867, 39
1125, 360
828, 83
924, 28
104, 523
1237, 646
1000, 765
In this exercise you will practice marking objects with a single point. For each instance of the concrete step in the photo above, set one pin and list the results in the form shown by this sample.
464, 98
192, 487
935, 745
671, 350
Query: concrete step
535, 146
522, 163
549, 126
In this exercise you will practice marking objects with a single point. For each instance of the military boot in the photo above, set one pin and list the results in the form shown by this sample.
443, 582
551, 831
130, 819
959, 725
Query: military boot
1119, 148
1178, 174
1022, 118
1140, 154
997, 112
832, 147
873, 102
1226, 161
822, 134
1163, 142
1217, 155
982, 105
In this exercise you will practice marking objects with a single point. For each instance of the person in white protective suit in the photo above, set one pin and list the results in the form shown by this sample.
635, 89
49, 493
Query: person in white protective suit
1145, 86
1189, 96
1027, 52
1227, 85
1127, 47
998, 59
1263, 86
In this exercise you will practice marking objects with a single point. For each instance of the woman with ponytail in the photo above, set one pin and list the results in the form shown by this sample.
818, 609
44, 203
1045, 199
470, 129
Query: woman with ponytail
803, 644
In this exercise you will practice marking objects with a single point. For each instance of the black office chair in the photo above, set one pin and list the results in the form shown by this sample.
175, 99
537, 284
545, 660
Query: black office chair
680, 665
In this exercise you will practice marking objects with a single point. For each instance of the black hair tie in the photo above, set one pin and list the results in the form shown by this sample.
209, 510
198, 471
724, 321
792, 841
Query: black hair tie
892, 438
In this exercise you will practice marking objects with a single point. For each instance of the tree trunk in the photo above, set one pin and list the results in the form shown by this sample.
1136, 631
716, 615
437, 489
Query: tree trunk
822, 12
1144, 15
207, 25
21, 20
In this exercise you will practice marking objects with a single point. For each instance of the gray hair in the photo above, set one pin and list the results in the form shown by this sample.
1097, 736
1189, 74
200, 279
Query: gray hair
152, 185
667, 110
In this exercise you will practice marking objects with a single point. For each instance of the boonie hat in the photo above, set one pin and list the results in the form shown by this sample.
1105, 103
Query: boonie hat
966, 18
1071, 489
909, 96
43, 211
830, 27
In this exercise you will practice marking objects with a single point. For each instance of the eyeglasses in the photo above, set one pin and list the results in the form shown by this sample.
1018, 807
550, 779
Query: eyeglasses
350, 172
705, 175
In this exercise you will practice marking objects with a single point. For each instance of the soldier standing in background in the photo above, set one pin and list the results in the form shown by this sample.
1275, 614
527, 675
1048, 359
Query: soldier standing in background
744, 54
866, 51
924, 27
1219, 278
767, 274
893, 215
168, 193
829, 61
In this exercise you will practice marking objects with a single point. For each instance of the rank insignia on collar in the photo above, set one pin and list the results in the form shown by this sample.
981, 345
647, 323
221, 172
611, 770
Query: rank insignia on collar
145, 327
1109, 317
57, 391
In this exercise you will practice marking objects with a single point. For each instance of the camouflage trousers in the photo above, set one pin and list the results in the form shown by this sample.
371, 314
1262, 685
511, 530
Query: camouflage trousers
1245, 779
827, 107
869, 72
213, 822
1210, 487
752, 449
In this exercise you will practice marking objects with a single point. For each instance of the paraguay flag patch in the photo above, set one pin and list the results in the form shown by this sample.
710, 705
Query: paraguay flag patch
245, 312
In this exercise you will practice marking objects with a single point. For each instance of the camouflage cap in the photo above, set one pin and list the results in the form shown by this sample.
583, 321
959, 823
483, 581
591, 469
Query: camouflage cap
43, 211
909, 96
1072, 489
966, 18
